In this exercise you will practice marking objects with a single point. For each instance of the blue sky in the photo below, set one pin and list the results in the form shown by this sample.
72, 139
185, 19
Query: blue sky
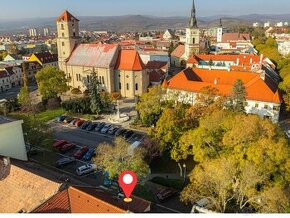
51, 8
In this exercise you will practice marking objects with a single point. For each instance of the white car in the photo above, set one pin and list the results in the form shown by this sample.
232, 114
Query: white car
85, 169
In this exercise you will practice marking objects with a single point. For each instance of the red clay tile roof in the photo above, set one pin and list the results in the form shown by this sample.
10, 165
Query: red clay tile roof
3, 74
179, 51
229, 37
94, 55
195, 79
58, 203
129, 60
66, 16
90, 200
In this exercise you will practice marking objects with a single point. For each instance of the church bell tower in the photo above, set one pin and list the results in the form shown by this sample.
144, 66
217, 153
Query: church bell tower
192, 35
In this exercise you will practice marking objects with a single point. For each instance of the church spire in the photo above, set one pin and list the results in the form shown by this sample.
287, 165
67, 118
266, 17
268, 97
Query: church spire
193, 22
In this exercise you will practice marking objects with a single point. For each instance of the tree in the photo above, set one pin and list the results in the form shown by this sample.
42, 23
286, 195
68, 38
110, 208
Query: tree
210, 63
51, 82
150, 106
12, 49
237, 99
116, 158
24, 99
94, 93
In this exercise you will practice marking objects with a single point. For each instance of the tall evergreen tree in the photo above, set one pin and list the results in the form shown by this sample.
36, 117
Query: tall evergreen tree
94, 93
238, 97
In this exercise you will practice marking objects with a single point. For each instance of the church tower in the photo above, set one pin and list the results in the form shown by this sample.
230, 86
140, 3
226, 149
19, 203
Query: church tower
67, 36
192, 35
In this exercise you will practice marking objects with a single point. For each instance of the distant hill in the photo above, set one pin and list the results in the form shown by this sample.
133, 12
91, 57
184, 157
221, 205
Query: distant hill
139, 22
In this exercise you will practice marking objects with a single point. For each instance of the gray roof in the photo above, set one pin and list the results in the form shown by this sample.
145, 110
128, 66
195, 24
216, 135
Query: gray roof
94, 55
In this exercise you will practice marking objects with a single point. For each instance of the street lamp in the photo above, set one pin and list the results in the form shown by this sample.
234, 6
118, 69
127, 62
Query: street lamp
184, 173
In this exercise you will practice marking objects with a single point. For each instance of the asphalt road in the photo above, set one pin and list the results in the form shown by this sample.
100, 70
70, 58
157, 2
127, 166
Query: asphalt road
13, 92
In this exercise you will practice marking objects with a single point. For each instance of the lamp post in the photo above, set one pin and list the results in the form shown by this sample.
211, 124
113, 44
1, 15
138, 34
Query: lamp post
184, 173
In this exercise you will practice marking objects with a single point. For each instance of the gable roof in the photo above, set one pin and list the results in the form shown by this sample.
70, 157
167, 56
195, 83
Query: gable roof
129, 60
156, 75
156, 65
179, 51
21, 190
90, 200
195, 79
66, 16
228, 37
94, 55
3, 74
45, 57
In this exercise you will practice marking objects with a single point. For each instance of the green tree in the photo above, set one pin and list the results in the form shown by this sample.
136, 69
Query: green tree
210, 63
94, 93
24, 99
117, 158
237, 100
51, 82
150, 106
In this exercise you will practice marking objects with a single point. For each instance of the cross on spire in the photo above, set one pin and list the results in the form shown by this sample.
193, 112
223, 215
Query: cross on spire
193, 22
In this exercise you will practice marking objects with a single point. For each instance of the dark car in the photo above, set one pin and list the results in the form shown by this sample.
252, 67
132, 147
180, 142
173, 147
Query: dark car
81, 152
91, 127
165, 194
106, 128
119, 132
85, 124
79, 123
99, 126
61, 118
66, 148
128, 134
59, 143
64, 161
88, 156
112, 130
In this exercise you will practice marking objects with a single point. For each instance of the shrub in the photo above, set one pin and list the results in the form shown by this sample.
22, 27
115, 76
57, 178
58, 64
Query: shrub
40, 107
86, 93
53, 103
76, 91
79, 105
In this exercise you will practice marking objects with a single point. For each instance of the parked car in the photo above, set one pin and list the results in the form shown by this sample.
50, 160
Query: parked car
91, 127
68, 120
85, 124
119, 132
60, 118
106, 128
99, 126
165, 194
79, 123
128, 134
73, 121
66, 148
88, 156
85, 169
64, 161
59, 143
81, 152
112, 130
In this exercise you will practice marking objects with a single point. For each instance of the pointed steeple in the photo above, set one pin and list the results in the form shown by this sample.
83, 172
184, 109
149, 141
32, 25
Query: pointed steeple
193, 22
221, 23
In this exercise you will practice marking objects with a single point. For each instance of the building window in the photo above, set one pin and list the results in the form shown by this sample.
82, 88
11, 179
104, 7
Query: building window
64, 52
266, 106
256, 105
62, 26
103, 80
62, 43
78, 77
127, 85
88, 78
62, 34
276, 108
74, 34
136, 86
193, 40
120, 86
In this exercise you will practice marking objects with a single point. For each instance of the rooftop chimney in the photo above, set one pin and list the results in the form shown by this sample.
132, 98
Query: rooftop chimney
215, 81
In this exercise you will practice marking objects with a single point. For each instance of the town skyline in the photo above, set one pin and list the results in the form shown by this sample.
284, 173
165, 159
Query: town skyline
130, 7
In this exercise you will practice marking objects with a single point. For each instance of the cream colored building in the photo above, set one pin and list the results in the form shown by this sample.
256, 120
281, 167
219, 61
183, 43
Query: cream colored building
117, 70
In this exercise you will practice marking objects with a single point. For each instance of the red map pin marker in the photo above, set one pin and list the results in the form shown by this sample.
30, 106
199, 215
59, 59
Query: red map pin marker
128, 181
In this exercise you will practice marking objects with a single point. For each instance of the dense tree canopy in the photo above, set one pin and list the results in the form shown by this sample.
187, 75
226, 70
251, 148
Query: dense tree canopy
51, 82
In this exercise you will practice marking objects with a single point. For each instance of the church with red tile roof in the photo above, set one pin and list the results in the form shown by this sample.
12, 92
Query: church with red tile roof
117, 70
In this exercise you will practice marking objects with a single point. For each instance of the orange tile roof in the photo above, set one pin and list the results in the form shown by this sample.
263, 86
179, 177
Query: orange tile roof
179, 51
90, 200
195, 79
229, 37
129, 60
66, 16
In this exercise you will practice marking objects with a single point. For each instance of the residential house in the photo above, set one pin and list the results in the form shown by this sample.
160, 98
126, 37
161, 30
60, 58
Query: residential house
263, 97
168, 34
44, 59
234, 42
4, 81
15, 74
91, 200
158, 71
